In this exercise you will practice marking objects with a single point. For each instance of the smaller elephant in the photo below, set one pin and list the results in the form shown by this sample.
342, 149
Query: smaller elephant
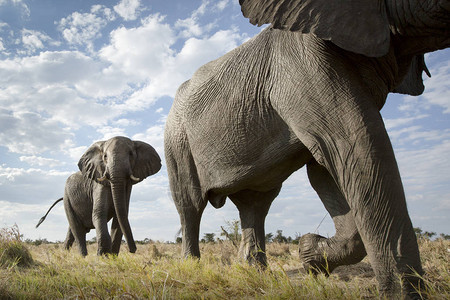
101, 191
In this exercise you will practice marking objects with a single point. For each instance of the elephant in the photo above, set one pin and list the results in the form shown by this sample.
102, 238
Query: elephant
101, 191
307, 90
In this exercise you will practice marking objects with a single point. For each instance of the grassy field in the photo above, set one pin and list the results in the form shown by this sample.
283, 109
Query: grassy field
157, 271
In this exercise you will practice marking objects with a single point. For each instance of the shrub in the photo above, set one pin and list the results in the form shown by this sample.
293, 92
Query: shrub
13, 252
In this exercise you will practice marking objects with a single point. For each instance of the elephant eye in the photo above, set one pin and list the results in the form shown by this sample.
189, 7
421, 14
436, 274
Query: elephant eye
105, 157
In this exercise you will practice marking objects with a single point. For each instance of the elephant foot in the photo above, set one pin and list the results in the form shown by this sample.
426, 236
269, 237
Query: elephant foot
313, 254
256, 258
251, 249
132, 248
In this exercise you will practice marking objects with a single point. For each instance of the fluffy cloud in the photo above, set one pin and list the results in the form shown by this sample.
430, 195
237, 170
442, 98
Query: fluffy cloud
147, 56
21, 185
34, 40
57, 92
29, 133
437, 87
140, 52
220, 5
34, 160
84, 28
128, 9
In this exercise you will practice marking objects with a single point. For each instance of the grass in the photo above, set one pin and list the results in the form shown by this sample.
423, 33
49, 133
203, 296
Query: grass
12, 251
157, 271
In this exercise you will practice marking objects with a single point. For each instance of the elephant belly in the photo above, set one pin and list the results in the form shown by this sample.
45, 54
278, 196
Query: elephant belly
258, 160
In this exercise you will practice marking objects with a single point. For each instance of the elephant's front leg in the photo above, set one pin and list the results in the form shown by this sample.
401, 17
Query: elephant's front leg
352, 143
101, 208
116, 236
345, 247
253, 207
190, 219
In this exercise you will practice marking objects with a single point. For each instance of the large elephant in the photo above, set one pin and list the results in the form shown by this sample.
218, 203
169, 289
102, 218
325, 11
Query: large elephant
101, 190
307, 91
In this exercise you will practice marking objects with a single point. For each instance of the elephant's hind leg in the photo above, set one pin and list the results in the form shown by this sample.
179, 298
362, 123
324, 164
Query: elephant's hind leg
186, 192
321, 254
77, 230
69, 240
253, 207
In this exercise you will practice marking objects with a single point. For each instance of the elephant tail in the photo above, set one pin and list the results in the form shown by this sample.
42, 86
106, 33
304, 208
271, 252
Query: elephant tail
43, 218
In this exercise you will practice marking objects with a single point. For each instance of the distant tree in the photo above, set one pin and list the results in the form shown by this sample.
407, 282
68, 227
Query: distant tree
209, 237
144, 241
37, 242
269, 237
296, 238
428, 235
444, 236
178, 240
232, 231
279, 237
418, 232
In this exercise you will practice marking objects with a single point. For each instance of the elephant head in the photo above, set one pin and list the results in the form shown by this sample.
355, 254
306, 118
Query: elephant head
367, 27
119, 163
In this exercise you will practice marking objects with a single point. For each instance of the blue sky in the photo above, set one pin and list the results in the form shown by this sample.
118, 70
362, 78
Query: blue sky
75, 72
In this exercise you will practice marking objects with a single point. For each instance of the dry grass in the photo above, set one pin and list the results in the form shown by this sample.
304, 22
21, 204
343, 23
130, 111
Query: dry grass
157, 271
12, 251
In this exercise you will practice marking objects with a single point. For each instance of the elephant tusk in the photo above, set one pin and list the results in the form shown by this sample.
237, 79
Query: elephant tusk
134, 178
101, 179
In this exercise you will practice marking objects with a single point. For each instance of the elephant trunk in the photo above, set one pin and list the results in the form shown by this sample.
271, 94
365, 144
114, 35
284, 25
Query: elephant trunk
120, 193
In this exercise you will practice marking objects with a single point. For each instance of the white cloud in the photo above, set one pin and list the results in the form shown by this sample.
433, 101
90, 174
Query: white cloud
27, 185
126, 122
221, 4
154, 136
128, 9
30, 133
191, 27
108, 132
84, 28
34, 40
58, 83
41, 161
140, 52
437, 87
398, 122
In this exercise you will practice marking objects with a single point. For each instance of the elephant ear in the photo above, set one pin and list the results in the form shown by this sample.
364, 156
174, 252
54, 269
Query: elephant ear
357, 26
147, 162
412, 83
91, 162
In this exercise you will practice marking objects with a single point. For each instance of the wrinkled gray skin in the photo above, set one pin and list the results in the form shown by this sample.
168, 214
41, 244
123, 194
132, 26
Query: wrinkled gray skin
288, 98
101, 191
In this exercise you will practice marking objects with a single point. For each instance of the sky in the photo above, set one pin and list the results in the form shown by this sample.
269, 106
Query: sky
76, 72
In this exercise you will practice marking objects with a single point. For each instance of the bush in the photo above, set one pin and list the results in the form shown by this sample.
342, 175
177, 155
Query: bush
13, 251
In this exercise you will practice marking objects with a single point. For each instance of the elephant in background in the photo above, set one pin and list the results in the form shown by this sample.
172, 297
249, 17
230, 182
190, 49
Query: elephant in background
101, 190
307, 91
